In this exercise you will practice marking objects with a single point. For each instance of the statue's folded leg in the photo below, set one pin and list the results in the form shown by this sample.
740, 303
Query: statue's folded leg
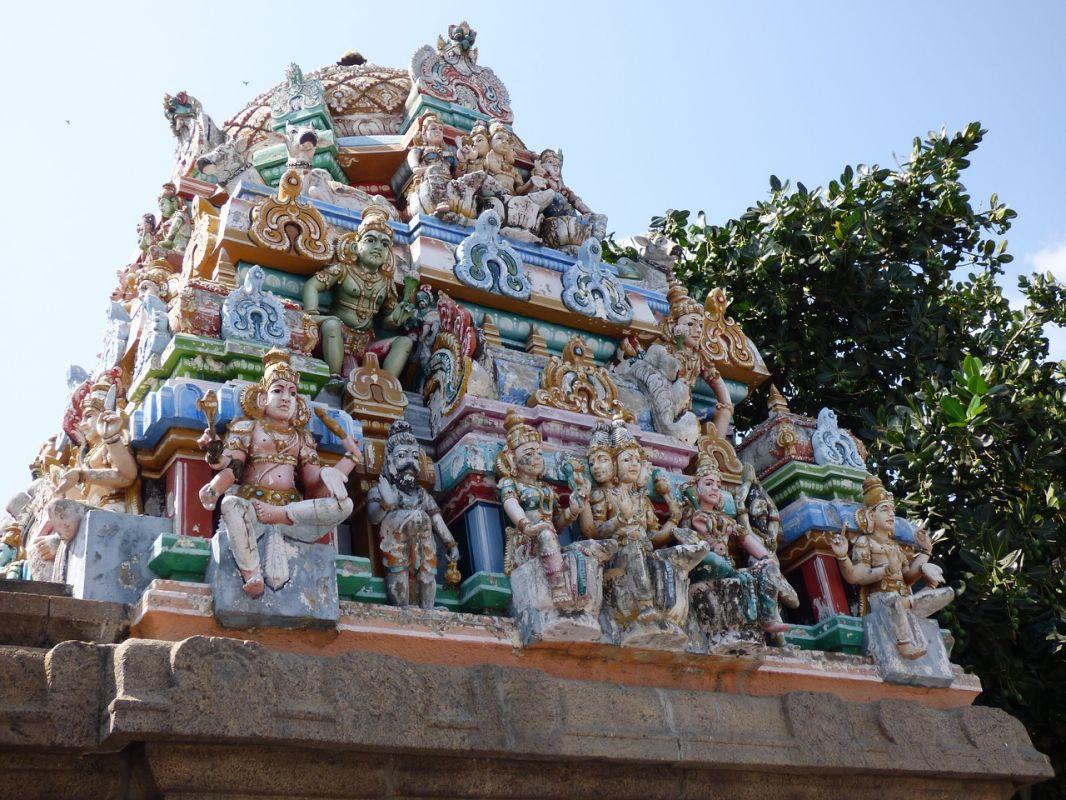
311, 519
929, 601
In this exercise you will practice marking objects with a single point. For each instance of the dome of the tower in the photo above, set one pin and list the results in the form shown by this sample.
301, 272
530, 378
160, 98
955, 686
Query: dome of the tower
363, 100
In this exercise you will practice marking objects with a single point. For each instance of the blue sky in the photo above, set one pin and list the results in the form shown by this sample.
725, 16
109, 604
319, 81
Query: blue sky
655, 106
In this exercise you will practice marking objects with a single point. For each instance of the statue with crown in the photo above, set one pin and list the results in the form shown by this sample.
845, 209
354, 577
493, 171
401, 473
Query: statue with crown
275, 498
556, 591
899, 589
647, 579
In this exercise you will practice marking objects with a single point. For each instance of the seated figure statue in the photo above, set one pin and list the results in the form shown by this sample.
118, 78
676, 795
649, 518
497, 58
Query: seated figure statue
430, 168
647, 583
407, 516
556, 592
732, 597
886, 572
263, 458
101, 475
362, 285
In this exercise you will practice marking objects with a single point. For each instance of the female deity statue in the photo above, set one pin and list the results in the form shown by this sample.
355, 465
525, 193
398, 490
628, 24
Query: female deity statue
759, 584
362, 285
885, 571
533, 506
429, 160
265, 455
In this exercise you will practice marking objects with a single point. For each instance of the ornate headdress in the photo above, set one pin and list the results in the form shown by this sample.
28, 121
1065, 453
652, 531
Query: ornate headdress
680, 302
557, 154
96, 398
156, 274
518, 431
423, 122
601, 437
873, 494
480, 128
277, 366
400, 435
707, 465
375, 218
622, 438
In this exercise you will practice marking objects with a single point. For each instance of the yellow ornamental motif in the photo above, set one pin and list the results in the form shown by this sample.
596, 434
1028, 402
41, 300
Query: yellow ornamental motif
712, 445
575, 383
285, 224
723, 338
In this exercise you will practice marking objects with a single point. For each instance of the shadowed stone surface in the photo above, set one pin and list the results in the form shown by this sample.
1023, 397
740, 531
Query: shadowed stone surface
210, 717
42, 620
109, 556
932, 669
308, 600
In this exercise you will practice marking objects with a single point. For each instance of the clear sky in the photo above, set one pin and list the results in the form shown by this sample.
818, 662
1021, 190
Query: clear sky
656, 105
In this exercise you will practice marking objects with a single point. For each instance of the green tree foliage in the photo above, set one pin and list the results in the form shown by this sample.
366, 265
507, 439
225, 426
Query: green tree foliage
878, 296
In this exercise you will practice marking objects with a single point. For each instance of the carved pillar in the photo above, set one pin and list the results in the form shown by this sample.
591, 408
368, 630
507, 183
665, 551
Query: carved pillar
825, 588
484, 535
184, 477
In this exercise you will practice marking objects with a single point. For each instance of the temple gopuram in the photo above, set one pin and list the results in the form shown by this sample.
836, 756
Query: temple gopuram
385, 484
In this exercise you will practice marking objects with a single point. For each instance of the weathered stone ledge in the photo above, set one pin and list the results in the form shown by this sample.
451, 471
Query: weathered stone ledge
174, 610
214, 717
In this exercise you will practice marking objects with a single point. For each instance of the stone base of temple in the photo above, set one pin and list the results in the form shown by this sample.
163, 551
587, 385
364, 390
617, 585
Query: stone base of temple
176, 610
213, 717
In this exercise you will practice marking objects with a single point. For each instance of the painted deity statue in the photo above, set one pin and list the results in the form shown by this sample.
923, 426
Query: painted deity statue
102, 475
886, 571
428, 159
557, 593
265, 456
12, 553
148, 238
174, 220
568, 221
519, 204
407, 516
759, 583
362, 286
647, 588
532, 505
669, 367
757, 515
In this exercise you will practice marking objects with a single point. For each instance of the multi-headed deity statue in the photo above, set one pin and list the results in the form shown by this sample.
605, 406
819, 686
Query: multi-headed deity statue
759, 584
647, 588
407, 516
101, 475
429, 160
533, 506
265, 457
886, 571
362, 284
